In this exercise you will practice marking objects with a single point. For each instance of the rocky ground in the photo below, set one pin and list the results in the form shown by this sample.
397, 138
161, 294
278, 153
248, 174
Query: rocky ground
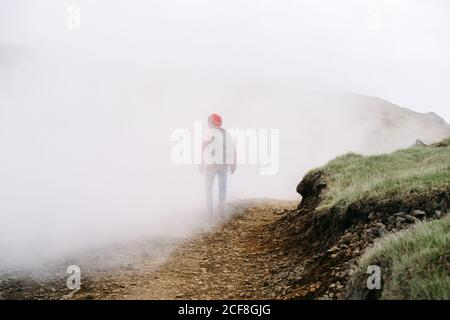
230, 261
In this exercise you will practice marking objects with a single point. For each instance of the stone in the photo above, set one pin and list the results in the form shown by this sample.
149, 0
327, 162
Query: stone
334, 249
444, 206
410, 218
380, 225
347, 237
335, 255
419, 143
391, 219
419, 213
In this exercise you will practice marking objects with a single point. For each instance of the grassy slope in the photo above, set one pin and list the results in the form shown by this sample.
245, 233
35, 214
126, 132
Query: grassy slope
415, 263
353, 177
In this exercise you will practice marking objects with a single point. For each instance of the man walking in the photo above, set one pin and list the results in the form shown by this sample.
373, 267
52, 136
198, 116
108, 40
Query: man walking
219, 158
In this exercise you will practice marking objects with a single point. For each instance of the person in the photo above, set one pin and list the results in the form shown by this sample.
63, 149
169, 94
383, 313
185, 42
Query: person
219, 159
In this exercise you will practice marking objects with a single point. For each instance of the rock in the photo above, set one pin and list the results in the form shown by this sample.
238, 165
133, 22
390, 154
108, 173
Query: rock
303, 294
335, 255
444, 206
371, 215
334, 249
399, 214
380, 225
347, 237
438, 213
381, 229
419, 143
419, 214
411, 218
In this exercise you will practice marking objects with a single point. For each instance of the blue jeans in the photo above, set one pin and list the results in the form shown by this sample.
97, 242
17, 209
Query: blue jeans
211, 171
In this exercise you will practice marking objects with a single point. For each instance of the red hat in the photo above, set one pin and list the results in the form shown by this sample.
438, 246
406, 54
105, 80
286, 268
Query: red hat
215, 119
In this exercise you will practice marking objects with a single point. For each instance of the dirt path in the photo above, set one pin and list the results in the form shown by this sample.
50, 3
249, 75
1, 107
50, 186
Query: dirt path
231, 261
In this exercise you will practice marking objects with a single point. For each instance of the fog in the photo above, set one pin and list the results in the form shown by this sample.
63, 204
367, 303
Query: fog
87, 114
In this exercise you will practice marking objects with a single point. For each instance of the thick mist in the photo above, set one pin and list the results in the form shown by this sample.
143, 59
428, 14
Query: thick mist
86, 116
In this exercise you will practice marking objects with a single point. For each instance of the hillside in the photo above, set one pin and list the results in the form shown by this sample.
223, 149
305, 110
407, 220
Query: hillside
354, 200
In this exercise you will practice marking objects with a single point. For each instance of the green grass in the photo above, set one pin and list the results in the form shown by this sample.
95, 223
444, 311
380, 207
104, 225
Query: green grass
415, 263
352, 177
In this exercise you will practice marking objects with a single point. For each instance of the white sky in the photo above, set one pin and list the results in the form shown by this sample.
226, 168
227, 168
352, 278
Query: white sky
396, 49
